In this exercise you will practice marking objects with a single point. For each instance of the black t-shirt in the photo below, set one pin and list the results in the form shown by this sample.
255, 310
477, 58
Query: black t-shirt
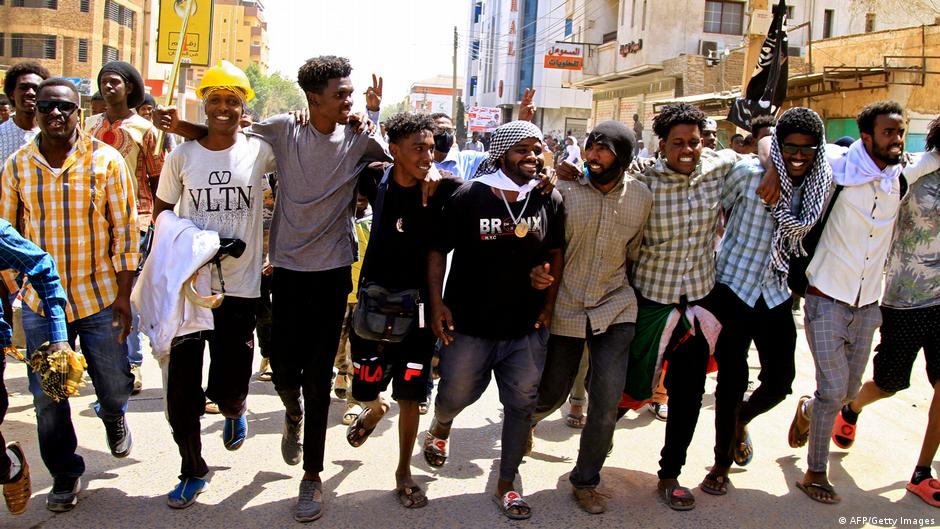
488, 290
397, 255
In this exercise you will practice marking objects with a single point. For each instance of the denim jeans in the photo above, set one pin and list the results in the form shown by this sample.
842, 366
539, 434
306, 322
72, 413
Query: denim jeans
608, 355
465, 370
110, 373
135, 353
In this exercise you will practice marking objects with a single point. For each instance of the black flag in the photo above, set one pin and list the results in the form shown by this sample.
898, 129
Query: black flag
768, 86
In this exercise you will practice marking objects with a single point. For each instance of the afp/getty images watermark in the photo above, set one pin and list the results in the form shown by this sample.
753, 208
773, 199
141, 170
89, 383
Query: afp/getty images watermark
886, 521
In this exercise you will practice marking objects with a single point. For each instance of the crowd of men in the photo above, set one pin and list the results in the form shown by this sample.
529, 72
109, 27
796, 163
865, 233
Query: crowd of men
600, 249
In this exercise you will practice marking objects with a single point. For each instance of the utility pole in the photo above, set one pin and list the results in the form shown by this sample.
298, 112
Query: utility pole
453, 94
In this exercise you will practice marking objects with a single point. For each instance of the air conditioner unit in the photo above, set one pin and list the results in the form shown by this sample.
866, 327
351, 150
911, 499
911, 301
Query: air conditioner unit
590, 24
708, 48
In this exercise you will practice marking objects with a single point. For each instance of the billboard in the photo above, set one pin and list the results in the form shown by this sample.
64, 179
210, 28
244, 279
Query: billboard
198, 31
564, 56
483, 119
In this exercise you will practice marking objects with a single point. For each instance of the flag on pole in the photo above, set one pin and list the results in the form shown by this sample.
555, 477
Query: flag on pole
768, 86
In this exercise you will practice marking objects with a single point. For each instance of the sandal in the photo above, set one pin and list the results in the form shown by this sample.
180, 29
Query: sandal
513, 500
340, 386
423, 408
17, 492
927, 490
722, 481
744, 452
673, 495
843, 433
575, 421
352, 412
435, 450
412, 497
796, 437
807, 488
357, 434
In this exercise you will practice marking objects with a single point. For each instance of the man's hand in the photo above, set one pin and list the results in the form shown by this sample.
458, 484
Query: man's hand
546, 181
301, 116
545, 317
441, 318
165, 118
121, 316
361, 123
527, 107
568, 171
58, 346
769, 188
429, 184
640, 165
540, 277
266, 267
374, 94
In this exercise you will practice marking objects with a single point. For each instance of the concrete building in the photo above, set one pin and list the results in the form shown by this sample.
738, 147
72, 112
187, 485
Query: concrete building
506, 42
239, 35
433, 95
72, 38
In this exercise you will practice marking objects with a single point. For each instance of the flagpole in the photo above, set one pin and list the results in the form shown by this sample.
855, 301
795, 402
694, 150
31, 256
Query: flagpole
174, 72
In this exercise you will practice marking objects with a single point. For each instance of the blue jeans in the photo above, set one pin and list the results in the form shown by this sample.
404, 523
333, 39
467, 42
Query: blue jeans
465, 370
110, 373
607, 374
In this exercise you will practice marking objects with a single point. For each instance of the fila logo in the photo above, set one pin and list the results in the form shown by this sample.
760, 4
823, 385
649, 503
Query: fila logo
413, 370
220, 178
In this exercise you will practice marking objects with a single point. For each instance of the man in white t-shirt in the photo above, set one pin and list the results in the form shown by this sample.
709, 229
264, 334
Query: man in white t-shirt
217, 181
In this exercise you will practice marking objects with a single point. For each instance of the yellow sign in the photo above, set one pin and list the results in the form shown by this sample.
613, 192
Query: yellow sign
198, 31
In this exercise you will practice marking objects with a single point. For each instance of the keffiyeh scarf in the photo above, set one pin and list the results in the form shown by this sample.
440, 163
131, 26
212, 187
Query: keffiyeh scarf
503, 138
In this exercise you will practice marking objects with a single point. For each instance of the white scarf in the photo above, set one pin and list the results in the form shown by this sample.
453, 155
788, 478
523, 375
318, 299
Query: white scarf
858, 168
499, 180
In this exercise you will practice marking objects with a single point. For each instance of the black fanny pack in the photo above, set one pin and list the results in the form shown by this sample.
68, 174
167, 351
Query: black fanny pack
383, 315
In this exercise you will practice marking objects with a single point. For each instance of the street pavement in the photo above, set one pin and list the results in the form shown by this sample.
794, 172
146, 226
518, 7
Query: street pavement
253, 487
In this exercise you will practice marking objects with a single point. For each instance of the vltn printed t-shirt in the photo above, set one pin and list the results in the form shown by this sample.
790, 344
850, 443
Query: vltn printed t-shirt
488, 290
222, 191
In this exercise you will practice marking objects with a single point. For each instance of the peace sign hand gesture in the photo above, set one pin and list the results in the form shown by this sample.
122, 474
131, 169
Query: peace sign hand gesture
374, 94
527, 107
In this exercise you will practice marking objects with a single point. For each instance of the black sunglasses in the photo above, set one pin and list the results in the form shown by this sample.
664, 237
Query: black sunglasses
64, 107
809, 151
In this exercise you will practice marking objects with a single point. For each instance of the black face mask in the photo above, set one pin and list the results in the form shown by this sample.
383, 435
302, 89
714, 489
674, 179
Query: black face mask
443, 141
607, 176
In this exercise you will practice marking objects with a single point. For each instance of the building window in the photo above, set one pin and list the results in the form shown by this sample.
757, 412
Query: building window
473, 85
828, 16
633, 14
724, 16
117, 13
569, 27
643, 26
109, 54
477, 12
3, 40
84, 6
42, 4
32, 46
869, 22
82, 50
475, 50
791, 13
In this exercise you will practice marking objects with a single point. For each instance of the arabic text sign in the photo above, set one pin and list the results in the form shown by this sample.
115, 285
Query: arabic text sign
198, 31
562, 56
483, 119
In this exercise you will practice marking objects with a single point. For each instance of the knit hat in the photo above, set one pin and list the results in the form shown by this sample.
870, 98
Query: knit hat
615, 136
130, 75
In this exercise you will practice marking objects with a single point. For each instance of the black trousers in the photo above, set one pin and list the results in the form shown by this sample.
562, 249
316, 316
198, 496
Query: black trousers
307, 311
231, 349
4, 405
774, 335
263, 327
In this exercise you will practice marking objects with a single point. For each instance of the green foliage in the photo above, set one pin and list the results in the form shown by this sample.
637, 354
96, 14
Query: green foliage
274, 93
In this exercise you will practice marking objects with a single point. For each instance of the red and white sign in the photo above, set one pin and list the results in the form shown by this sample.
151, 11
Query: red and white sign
562, 56
483, 119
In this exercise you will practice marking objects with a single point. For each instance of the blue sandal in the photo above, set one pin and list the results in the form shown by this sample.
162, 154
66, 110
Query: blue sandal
185, 492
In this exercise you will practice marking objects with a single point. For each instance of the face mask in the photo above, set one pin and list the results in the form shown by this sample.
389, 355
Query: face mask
443, 141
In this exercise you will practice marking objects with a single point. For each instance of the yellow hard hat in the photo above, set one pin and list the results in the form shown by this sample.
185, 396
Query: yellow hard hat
226, 74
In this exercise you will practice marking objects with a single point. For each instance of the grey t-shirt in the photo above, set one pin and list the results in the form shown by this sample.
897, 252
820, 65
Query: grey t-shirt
312, 229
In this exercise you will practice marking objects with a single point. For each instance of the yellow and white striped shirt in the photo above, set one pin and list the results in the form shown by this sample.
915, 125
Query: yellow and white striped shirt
84, 215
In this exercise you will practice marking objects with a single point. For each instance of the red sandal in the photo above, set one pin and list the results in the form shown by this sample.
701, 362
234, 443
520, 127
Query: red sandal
927, 490
843, 433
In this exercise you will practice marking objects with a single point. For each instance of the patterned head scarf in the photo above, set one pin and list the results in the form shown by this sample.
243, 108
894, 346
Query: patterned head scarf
503, 139
790, 228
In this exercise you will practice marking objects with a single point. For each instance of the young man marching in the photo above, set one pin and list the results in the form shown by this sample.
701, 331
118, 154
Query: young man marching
396, 260
217, 179
496, 323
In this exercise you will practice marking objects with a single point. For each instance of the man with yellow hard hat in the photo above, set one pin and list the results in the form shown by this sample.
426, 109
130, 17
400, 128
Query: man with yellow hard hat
217, 182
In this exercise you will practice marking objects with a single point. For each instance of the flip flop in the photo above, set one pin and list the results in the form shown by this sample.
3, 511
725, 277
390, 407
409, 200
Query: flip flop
927, 490
575, 421
412, 497
843, 433
513, 500
744, 452
435, 450
352, 412
673, 494
721, 489
357, 434
825, 487
795, 436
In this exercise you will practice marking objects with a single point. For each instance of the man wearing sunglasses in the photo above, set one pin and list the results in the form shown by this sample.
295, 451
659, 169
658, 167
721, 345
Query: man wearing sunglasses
81, 210
751, 295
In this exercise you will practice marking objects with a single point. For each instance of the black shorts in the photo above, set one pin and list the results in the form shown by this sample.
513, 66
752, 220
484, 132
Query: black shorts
376, 364
903, 333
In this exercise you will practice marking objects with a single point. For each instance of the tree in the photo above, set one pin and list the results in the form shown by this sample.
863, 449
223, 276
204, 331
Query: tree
460, 122
274, 93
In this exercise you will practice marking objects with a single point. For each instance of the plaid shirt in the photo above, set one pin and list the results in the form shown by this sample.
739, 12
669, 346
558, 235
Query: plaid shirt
744, 254
677, 256
602, 234
85, 217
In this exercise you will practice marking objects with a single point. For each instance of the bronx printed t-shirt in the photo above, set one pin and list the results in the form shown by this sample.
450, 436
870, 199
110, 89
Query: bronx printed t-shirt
222, 191
397, 257
489, 291
312, 229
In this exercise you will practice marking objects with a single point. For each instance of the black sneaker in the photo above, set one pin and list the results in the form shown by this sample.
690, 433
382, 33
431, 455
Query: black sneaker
119, 437
64, 494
